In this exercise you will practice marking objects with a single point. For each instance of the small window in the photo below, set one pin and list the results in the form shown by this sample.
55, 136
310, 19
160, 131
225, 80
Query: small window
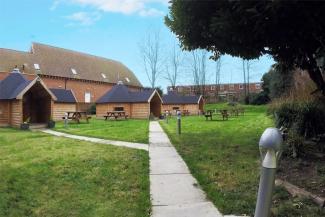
241, 87
127, 79
231, 86
103, 75
36, 66
176, 108
212, 87
118, 109
87, 97
258, 86
74, 71
222, 87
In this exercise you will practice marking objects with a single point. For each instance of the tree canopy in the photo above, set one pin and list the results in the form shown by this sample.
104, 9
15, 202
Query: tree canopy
293, 32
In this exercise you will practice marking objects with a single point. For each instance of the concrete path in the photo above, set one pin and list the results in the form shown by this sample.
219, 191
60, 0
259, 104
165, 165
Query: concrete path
174, 191
96, 140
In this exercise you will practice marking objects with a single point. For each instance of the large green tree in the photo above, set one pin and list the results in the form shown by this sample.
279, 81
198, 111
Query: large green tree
293, 32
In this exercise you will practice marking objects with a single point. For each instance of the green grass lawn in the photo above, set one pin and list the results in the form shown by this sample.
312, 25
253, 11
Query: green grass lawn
124, 130
42, 175
224, 156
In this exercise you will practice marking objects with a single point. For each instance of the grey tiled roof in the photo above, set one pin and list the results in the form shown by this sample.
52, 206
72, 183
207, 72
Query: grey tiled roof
121, 94
12, 85
173, 98
64, 96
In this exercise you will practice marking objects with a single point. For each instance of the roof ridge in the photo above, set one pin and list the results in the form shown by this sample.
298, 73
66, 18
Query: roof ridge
17, 51
74, 51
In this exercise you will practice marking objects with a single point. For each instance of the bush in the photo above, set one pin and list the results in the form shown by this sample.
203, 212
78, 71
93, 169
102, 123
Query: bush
259, 99
293, 145
306, 119
92, 109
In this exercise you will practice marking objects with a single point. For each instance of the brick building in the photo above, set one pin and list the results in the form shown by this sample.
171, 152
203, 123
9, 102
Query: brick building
88, 77
221, 92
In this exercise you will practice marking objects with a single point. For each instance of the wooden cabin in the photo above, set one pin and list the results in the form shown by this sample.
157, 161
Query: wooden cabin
173, 102
65, 102
136, 104
24, 100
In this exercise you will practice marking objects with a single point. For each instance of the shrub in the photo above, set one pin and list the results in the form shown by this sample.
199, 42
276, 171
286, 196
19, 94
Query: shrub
92, 109
306, 119
260, 98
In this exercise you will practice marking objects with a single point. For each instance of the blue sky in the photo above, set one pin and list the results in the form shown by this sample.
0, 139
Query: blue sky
107, 28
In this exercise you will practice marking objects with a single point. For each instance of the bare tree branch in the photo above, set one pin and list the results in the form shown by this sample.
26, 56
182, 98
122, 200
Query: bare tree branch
151, 52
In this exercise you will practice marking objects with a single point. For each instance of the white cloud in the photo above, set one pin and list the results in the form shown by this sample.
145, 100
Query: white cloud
54, 5
83, 18
141, 7
151, 12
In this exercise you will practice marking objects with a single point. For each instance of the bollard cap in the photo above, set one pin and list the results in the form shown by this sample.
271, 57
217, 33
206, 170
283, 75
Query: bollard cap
271, 139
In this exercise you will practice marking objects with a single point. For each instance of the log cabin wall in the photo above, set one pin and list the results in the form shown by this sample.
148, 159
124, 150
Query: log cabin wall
4, 113
102, 109
59, 110
16, 113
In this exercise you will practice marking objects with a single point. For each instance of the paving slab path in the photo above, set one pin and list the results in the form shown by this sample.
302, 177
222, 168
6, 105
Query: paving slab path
174, 191
97, 140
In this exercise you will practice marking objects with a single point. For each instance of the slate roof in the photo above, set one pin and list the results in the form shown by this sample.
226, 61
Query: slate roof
64, 96
173, 98
121, 94
12, 85
54, 61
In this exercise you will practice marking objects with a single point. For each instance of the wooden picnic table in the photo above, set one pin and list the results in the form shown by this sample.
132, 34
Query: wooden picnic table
77, 116
116, 115
224, 114
185, 113
208, 114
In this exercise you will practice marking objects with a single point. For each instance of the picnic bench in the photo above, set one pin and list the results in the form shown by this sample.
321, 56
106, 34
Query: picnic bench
116, 115
208, 114
224, 114
77, 116
185, 113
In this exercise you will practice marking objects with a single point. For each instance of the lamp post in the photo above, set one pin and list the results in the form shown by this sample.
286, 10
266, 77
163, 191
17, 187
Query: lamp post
270, 149
166, 116
66, 120
179, 115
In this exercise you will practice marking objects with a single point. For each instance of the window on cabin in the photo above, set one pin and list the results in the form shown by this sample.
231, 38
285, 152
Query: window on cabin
222, 87
87, 97
241, 86
176, 108
231, 86
103, 75
118, 109
258, 86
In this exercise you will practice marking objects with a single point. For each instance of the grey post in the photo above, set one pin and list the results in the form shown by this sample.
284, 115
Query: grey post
179, 122
270, 149
66, 120
166, 116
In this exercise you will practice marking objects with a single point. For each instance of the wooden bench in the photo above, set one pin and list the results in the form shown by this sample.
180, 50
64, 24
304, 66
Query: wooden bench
224, 114
208, 114
116, 115
185, 113
77, 116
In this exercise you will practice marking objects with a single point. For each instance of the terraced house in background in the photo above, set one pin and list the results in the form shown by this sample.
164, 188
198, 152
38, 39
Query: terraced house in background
220, 92
87, 76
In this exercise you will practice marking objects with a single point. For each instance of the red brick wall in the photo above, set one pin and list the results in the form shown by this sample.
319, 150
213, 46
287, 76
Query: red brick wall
79, 87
